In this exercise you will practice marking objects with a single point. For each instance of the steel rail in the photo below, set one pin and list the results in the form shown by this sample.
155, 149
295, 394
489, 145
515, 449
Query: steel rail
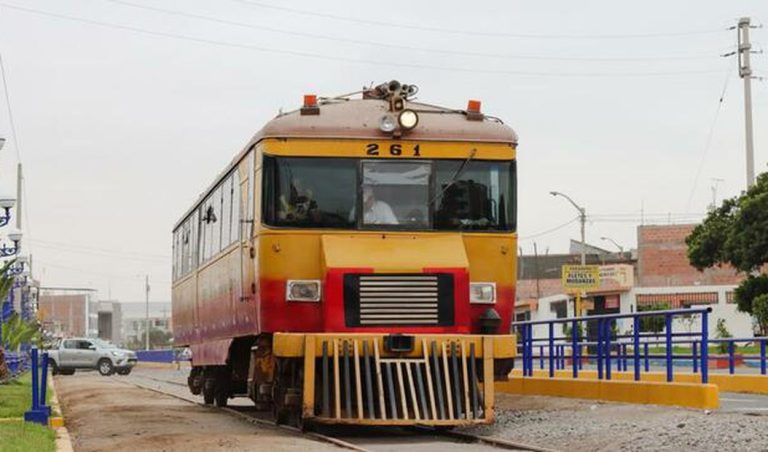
461, 436
253, 420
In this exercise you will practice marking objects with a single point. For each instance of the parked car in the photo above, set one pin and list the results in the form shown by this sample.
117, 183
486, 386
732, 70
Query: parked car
89, 353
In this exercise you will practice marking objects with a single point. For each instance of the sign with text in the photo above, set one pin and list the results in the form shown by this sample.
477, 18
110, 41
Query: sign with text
581, 277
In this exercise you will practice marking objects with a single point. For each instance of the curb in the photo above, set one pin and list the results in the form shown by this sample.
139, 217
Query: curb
688, 395
63, 440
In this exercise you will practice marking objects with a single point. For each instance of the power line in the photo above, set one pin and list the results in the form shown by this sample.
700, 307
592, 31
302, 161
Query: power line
454, 31
122, 276
708, 143
397, 46
90, 249
10, 110
548, 231
388, 64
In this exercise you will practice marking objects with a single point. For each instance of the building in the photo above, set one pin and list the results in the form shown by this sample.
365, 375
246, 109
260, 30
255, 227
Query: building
72, 312
656, 274
110, 321
66, 312
666, 277
134, 320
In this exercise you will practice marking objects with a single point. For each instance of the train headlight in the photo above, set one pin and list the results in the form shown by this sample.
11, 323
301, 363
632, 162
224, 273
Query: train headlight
482, 293
302, 290
387, 124
408, 119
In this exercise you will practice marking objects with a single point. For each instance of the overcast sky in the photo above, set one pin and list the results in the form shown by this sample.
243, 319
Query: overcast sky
125, 114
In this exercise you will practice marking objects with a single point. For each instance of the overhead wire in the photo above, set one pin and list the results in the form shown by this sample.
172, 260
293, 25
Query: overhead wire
708, 143
397, 46
95, 250
466, 32
10, 110
548, 231
298, 53
120, 276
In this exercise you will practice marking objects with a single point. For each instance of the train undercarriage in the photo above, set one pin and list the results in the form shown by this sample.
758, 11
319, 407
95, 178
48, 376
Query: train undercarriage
372, 379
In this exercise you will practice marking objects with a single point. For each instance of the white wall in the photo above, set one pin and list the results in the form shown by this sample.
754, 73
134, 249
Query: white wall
738, 323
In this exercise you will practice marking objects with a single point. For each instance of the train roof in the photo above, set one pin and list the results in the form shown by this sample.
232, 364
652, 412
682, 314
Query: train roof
342, 117
359, 118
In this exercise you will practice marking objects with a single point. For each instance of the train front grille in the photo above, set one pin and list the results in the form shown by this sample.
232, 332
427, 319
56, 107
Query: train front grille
353, 382
390, 300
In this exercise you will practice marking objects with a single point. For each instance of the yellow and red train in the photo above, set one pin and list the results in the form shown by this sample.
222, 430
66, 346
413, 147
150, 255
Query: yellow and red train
355, 263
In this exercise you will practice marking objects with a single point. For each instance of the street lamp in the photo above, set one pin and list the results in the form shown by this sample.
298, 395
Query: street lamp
621, 248
15, 237
582, 219
6, 204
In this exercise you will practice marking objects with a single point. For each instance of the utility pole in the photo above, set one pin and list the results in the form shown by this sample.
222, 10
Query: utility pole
715, 181
19, 179
146, 326
744, 50
583, 221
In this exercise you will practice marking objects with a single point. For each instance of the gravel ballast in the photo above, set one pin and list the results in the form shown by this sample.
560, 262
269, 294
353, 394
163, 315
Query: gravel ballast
584, 425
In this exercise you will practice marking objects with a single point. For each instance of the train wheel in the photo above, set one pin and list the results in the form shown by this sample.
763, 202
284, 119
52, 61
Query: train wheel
209, 386
284, 404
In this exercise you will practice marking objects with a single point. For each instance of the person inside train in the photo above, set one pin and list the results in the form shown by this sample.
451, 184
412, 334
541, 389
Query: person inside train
300, 203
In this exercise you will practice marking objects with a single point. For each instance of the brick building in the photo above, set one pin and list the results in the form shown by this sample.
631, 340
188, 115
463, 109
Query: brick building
662, 259
68, 312
660, 275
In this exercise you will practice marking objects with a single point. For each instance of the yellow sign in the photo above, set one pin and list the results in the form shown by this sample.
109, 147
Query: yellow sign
583, 277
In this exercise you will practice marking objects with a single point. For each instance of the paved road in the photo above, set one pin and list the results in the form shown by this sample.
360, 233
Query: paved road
744, 403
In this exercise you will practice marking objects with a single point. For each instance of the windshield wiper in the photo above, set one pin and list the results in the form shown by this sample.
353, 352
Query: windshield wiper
456, 175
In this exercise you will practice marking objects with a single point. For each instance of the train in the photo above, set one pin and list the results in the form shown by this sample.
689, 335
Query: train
355, 264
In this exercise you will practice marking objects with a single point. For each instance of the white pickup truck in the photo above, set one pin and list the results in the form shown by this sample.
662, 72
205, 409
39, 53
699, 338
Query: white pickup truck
90, 353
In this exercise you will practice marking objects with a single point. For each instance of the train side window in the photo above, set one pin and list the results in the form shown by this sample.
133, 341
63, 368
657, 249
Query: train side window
194, 242
233, 231
216, 222
226, 211
175, 270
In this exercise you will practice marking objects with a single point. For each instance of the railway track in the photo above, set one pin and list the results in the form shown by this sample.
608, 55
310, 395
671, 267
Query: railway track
368, 439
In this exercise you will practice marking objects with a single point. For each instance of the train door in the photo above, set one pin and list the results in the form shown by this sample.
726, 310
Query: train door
247, 307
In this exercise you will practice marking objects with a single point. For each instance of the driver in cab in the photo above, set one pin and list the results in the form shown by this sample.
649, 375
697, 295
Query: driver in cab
376, 211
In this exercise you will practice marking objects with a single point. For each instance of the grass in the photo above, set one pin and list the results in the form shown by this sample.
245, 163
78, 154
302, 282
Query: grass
15, 399
714, 349
24, 437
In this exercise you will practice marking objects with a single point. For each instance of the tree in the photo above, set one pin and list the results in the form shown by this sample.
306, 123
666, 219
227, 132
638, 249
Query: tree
157, 339
654, 323
17, 331
760, 311
6, 284
736, 233
722, 333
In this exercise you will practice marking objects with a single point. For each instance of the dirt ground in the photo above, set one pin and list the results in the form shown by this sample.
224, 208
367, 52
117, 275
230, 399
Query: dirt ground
105, 414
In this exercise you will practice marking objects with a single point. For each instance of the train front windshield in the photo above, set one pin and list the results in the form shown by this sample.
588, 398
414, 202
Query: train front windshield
306, 192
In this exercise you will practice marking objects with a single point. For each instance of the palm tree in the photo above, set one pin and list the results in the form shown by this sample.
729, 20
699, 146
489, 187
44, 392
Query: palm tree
6, 284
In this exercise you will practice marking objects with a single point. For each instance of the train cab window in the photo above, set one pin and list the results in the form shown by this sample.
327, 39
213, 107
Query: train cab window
309, 192
395, 194
474, 195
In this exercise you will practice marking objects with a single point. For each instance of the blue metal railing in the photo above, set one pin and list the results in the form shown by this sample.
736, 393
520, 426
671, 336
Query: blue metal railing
610, 345
611, 349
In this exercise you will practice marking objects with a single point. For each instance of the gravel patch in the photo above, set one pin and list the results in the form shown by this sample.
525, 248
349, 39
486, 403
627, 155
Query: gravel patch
581, 425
